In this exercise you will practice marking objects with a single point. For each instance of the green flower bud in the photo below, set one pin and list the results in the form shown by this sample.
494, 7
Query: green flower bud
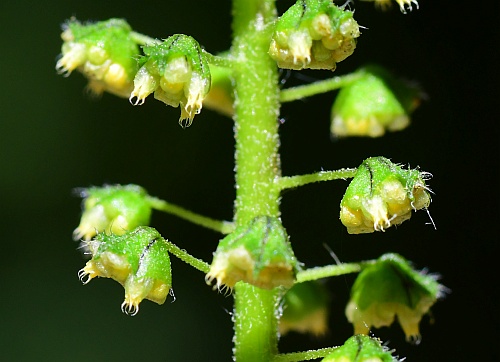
382, 194
305, 309
259, 254
391, 288
177, 72
313, 34
104, 52
138, 260
113, 210
373, 104
361, 348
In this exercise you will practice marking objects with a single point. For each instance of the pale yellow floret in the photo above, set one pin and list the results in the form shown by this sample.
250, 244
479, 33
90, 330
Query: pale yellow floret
116, 77
300, 43
177, 70
383, 315
93, 221
321, 27
195, 95
74, 55
144, 84
97, 55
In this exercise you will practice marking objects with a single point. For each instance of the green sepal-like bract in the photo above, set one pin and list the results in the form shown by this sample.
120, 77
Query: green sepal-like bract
382, 194
313, 34
177, 72
258, 253
361, 348
373, 104
388, 288
138, 260
104, 52
112, 209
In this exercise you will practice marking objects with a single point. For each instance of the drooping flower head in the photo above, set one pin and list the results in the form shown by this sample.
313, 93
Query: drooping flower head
258, 253
382, 194
138, 260
391, 288
314, 34
104, 52
177, 72
112, 209
375, 103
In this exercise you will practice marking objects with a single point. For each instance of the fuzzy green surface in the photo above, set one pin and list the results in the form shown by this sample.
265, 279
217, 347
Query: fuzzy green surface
113, 36
392, 280
360, 348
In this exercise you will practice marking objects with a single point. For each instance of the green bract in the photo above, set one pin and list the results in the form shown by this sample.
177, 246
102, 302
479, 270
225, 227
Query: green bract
259, 254
305, 309
313, 34
138, 260
177, 72
373, 104
112, 209
382, 194
390, 288
360, 348
104, 52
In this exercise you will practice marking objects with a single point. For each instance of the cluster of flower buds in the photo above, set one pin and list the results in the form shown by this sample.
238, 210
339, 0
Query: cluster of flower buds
305, 309
258, 253
112, 209
388, 288
376, 102
104, 52
138, 260
177, 72
382, 194
314, 34
360, 348
384, 4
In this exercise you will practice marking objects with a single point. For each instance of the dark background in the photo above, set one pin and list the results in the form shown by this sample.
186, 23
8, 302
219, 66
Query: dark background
54, 138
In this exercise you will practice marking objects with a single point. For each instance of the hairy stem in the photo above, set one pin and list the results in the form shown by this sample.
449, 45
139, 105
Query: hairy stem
224, 227
304, 356
289, 182
187, 258
322, 86
257, 165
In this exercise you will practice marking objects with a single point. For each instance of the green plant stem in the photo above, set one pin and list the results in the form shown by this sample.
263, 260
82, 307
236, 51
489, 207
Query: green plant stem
288, 182
257, 165
218, 60
187, 258
328, 271
322, 86
142, 39
224, 227
304, 356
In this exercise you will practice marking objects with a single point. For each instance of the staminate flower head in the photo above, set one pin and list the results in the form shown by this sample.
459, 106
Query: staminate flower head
305, 309
361, 348
258, 253
375, 103
138, 260
112, 209
104, 52
177, 72
382, 194
391, 288
314, 34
